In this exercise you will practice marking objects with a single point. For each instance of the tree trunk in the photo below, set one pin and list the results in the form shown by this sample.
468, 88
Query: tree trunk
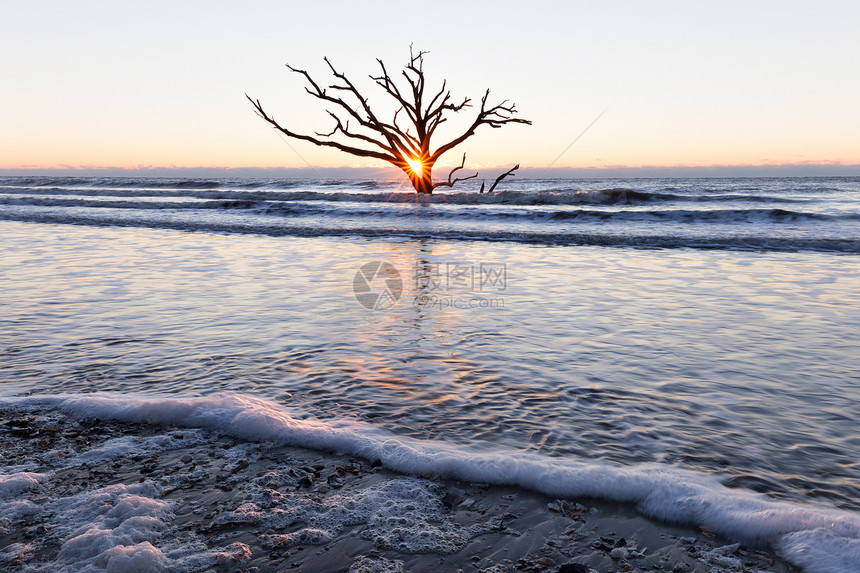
423, 182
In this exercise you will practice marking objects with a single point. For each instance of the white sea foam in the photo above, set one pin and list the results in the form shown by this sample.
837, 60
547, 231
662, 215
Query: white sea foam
405, 514
816, 537
821, 550
13, 484
375, 564
114, 529
13, 553
135, 445
107, 529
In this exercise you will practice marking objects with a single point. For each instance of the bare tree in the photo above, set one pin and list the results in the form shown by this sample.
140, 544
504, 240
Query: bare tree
408, 148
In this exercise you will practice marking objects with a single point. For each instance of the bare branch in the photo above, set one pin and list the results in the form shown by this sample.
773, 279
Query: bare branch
500, 177
389, 86
414, 141
322, 143
496, 116
320, 93
372, 122
450, 182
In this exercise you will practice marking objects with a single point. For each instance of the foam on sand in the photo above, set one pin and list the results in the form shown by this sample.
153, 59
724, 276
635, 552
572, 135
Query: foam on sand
113, 528
119, 528
14, 484
816, 537
106, 529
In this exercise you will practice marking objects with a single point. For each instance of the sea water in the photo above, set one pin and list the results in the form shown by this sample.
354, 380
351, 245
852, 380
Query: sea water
686, 345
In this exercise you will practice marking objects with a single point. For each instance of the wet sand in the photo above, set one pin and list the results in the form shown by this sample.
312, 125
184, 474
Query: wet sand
228, 505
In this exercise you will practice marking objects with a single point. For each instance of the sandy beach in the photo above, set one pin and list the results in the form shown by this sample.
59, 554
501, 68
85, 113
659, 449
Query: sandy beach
175, 498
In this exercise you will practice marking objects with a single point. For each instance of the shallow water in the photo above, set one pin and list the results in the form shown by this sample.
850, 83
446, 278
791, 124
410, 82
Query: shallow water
743, 363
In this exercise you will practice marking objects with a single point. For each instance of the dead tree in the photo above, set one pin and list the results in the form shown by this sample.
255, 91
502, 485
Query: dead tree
406, 144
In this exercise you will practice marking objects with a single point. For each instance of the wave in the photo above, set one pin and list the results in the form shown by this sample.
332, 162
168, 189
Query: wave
665, 241
182, 183
704, 216
129, 204
293, 208
811, 535
134, 182
372, 193
720, 216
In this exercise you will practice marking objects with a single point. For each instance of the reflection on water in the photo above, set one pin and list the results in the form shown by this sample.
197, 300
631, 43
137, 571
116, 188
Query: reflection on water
745, 363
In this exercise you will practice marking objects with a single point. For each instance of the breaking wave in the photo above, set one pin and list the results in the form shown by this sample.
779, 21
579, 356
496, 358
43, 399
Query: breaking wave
813, 536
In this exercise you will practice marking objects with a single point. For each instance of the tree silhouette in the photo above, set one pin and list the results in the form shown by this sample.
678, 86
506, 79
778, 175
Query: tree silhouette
407, 148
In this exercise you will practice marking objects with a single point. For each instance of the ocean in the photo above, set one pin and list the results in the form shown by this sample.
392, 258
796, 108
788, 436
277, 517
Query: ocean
766, 214
686, 346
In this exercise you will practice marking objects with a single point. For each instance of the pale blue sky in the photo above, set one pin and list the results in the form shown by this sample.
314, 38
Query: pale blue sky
107, 83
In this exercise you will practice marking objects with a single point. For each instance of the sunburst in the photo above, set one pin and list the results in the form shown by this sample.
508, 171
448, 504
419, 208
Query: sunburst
415, 165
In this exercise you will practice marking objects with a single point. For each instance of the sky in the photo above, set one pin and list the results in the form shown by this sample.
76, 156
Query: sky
160, 84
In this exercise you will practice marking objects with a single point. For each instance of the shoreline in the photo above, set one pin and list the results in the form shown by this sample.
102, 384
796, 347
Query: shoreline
179, 499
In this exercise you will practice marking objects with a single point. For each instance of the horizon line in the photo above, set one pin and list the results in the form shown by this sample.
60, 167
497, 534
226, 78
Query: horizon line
806, 168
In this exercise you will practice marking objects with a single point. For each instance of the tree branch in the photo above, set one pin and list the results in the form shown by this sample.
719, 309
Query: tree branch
500, 177
369, 121
495, 117
450, 182
389, 86
322, 143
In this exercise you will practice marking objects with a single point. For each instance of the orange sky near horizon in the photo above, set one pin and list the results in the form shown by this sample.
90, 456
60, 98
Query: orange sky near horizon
109, 85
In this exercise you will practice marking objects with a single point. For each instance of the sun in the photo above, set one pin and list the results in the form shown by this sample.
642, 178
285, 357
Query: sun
415, 165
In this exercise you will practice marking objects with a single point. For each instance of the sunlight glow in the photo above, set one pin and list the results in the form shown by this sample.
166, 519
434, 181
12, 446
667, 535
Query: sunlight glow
416, 165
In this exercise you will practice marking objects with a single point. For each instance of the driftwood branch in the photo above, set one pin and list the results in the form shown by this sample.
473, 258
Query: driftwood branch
509, 172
